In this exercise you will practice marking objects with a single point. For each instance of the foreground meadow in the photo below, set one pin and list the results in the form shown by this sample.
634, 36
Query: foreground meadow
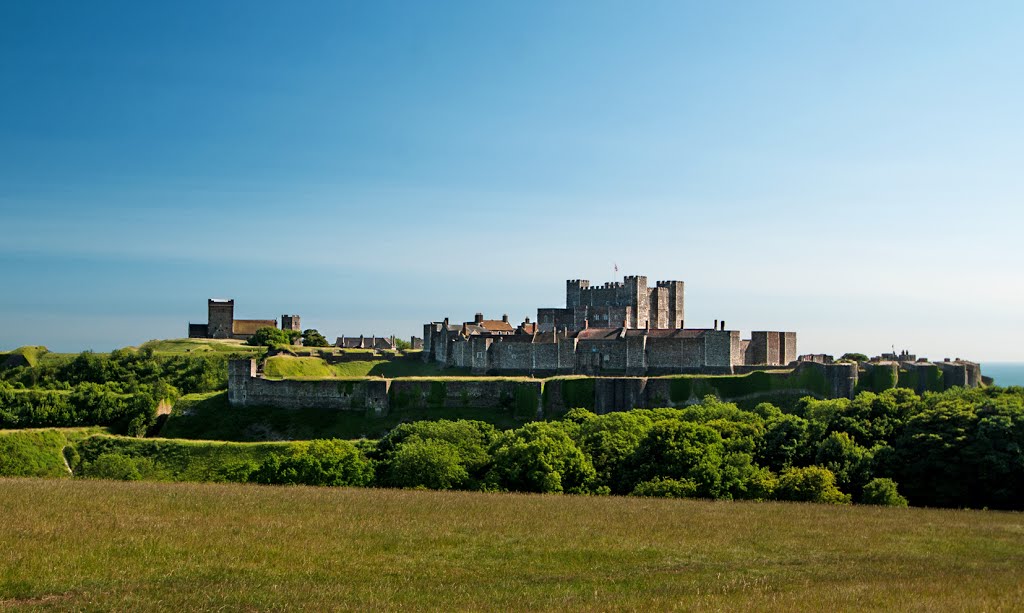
69, 544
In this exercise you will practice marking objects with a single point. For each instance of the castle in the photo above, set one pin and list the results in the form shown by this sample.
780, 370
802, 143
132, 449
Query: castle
623, 328
221, 322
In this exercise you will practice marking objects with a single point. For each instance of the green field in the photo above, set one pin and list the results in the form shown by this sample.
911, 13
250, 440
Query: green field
107, 545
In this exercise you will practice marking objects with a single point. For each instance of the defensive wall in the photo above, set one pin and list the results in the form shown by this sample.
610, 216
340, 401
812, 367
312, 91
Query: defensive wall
531, 398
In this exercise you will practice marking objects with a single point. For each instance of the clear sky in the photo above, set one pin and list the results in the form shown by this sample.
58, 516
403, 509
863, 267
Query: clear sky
853, 171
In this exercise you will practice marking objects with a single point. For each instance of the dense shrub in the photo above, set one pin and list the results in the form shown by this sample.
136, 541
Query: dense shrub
666, 488
539, 457
432, 463
810, 484
327, 462
883, 492
87, 404
119, 467
269, 336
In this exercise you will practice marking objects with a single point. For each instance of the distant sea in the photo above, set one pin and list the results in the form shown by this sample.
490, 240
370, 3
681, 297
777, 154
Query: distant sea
1005, 373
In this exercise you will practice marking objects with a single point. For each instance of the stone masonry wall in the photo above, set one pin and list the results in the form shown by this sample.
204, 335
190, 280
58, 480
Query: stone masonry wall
528, 398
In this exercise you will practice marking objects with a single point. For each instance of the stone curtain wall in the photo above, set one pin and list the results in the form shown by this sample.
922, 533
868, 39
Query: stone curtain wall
247, 389
531, 398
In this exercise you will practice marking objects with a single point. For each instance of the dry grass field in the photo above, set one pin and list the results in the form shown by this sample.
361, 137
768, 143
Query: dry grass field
74, 544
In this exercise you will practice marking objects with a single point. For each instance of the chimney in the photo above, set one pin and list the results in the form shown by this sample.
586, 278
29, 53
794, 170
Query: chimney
527, 320
465, 329
723, 325
478, 318
504, 318
445, 322
647, 324
586, 324
716, 325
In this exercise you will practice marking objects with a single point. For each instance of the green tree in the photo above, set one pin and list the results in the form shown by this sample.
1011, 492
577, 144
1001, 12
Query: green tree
849, 462
539, 457
882, 492
434, 464
810, 484
609, 440
321, 462
269, 336
856, 357
471, 439
313, 338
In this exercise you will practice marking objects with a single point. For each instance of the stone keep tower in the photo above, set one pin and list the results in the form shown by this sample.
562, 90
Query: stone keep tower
290, 322
220, 317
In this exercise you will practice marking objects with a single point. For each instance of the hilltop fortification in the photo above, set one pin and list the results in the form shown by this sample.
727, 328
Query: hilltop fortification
617, 328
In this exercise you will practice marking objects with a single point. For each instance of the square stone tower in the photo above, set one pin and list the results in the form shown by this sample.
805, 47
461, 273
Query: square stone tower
220, 317
291, 322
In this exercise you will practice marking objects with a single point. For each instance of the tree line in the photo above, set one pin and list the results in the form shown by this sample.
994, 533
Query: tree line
959, 448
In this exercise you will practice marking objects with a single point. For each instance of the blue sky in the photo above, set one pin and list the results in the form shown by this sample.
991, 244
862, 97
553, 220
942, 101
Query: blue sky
848, 170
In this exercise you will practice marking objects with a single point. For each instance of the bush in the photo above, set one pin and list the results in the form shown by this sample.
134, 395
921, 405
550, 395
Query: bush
540, 457
119, 467
882, 492
666, 488
269, 336
329, 462
313, 338
810, 484
434, 464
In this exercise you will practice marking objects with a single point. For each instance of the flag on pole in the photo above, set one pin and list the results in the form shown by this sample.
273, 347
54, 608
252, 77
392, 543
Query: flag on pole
616, 266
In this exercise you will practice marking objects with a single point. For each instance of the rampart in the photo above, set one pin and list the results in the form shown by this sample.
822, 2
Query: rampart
531, 398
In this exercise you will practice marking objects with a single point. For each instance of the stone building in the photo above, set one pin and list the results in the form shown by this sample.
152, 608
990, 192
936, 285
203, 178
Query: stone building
221, 322
618, 328
629, 304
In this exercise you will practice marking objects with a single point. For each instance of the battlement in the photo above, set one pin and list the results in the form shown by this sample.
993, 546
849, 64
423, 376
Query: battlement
667, 283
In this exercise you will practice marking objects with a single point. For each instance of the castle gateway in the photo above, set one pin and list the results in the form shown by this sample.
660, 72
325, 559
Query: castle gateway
617, 328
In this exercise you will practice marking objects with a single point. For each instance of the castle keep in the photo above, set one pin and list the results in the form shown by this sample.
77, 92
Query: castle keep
618, 328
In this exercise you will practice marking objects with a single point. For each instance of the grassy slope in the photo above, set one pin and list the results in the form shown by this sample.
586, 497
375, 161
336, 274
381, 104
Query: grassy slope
28, 355
209, 416
182, 460
200, 345
38, 452
288, 367
187, 546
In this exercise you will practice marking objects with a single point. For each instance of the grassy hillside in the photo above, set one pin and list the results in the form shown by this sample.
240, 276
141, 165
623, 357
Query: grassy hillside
185, 546
178, 460
28, 355
199, 345
38, 453
209, 416
289, 367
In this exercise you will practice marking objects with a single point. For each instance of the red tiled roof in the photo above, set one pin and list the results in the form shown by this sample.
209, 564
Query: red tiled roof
599, 334
250, 326
496, 325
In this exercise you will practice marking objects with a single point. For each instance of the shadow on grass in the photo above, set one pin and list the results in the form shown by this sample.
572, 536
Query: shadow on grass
210, 417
